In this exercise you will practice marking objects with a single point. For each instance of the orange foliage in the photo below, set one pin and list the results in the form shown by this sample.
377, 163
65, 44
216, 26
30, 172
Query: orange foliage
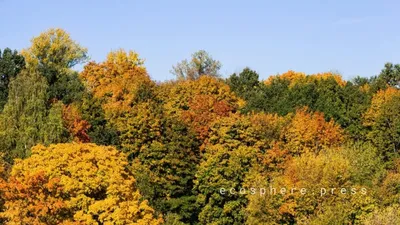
203, 110
75, 124
275, 158
37, 195
309, 132
200, 102
116, 81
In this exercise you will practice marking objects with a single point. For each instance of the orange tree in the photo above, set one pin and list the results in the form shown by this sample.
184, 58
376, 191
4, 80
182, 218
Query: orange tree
309, 132
199, 102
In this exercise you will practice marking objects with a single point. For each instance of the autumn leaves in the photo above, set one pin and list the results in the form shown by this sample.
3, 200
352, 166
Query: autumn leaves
109, 145
74, 184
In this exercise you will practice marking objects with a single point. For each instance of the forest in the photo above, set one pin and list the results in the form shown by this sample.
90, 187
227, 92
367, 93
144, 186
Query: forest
109, 145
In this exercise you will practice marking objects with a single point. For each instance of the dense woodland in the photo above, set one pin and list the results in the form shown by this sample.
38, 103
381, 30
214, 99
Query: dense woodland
108, 145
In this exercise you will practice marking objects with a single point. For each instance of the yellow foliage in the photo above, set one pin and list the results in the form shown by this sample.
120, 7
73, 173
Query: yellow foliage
81, 183
54, 48
322, 177
365, 88
117, 81
376, 109
296, 77
324, 76
179, 94
290, 75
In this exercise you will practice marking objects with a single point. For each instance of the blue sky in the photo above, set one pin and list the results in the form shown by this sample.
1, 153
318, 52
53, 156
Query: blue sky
351, 37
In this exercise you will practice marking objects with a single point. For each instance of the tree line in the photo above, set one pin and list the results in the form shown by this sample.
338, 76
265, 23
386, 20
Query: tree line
109, 145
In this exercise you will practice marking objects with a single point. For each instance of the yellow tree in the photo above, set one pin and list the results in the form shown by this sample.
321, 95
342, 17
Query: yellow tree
290, 75
296, 77
54, 48
313, 189
74, 184
383, 121
119, 82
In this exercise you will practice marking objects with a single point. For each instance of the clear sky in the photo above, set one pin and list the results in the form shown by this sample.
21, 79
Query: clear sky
353, 37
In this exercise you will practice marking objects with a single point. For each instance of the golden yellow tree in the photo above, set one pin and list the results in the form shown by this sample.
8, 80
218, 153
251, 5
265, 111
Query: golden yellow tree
383, 121
296, 77
317, 189
119, 81
54, 48
74, 184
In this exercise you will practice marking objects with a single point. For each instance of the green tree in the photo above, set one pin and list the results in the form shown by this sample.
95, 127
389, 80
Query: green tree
200, 64
388, 77
247, 86
230, 153
101, 131
391, 74
11, 64
25, 120
164, 155
53, 54
355, 102
244, 83
274, 97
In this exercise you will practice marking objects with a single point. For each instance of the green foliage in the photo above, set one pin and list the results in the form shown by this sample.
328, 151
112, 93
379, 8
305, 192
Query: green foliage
327, 93
25, 120
391, 75
101, 131
53, 53
230, 153
11, 64
245, 83
274, 98
247, 86
367, 167
164, 155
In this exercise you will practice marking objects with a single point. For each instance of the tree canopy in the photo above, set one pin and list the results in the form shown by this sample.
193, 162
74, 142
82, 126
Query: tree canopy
109, 145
